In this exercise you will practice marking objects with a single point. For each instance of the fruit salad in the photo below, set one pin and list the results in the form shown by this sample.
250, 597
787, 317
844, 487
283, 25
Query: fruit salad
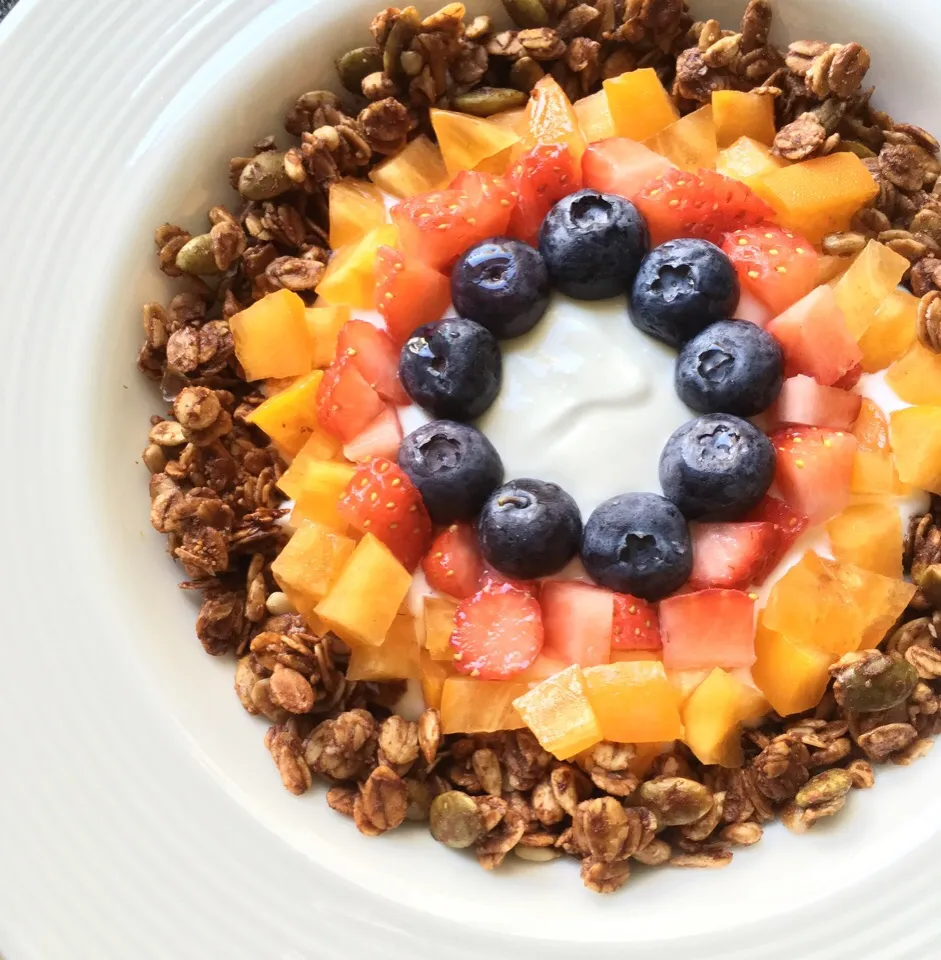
650, 660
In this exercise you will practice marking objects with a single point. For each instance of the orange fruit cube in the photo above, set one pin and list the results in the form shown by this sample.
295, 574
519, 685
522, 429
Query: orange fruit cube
792, 676
690, 143
916, 377
480, 706
319, 447
748, 160
356, 207
640, 106
685, 682
271, 337
323, 324
432, 675
550, 118
465, 140
514, 120
594, 117
290, 417
869, 535
311, 561
738, 115
439, 625
634, 702
875, 273
318, 486
398, 658
350, 277
560, 715
916, 440
891, 332
873, 468
419, 168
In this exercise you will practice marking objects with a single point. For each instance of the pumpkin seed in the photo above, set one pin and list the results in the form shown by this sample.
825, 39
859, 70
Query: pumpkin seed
824, 788
527, 13
863, 690
486, 101
264, 177
353, 67
196, 257
455, 820
525, 74
400, 36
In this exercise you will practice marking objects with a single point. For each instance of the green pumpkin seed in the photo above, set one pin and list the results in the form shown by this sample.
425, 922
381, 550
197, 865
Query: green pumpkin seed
863, 692
826, 787
486, 101
525, 74
196, 257
353, 67
455, 820
854, 146
930, 584
400, 36
527, 13
264, 177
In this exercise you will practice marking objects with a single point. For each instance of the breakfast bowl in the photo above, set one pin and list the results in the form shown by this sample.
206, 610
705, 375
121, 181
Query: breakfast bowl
148, 816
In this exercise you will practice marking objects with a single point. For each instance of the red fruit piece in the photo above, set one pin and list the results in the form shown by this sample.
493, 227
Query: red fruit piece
578, 622
621, 166
497, 632
453, 565
408, 293
788, 525
705, 205
711, 628
804, 401
814, 469
732, 555
636, 624
381, 500
540, 178
380, 439
346, 403
775, 265
375, 356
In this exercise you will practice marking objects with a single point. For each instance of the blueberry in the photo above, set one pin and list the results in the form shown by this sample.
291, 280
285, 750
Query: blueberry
682, 287
529, 529
503, 285
454, 466
716, 467
452, 368
638, 543
731, 367
593, 244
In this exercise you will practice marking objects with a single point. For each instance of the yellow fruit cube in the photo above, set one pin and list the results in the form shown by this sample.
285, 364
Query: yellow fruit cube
398, 658
350, 278
514, 120
364, 601
480, 706
869, 535
311, 561
737, 114
466, 141
433, 675
916, 377
324, 325
439, 625
634, 702
747, 159
792, 676
419, 168
290, 417
271, 337
594, 117
875, 273
639, 104
690, 143
891, 333
684, 682
318, 486
356, 207
916, 441
319, 447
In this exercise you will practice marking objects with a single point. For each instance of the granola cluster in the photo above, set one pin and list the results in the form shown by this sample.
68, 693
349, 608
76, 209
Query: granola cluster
214, 477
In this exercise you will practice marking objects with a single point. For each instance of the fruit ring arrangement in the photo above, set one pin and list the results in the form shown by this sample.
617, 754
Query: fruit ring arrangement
660, 618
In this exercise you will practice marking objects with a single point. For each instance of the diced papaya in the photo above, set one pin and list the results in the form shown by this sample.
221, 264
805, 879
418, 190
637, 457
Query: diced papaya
465, 140
792, 676
875, 273
311, 561
551, 119
318, 448
514, 120
271, 337
480, 706
819, 196
318, 486
916, 441
290, 417
916, 377
419, 168
439, 625
433, 675
737, 114
874, 471
869, 535
398, 658
639, 104
891, 333
690, 143
324, 325
559, 714
594, 117
356, 207
350, 278
713, 716
361, 605
634, 702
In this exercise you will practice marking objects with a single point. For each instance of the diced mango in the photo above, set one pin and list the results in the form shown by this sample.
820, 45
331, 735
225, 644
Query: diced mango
356, 207
361, 605
290, 417
685, 682
439, 625
888, 598
690, 143
891, 333
819, 196
480, 706
434, 673
320, 447
831, 269
350, 278
792, 676
869, 535
559, 714
550, 118
310, 563
747, 159
634, 702
398, 658
873, 467
306, 608
639, 104
514, 120
419, 168
916, 377
916, 440
324, 324
875, 273
465, 140
594, 117
271, 337
737, 114
713, 716
317, 486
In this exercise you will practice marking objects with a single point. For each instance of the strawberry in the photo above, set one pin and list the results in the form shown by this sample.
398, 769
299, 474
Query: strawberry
636, 625
453, 565
732, 555
497, 632
704, 205
380, 439
540, 178
408, 293
346, 403
375, 356
381, 500
788, 524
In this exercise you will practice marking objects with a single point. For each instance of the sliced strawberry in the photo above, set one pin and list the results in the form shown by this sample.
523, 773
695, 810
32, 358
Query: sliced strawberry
380, 439
731, 555
804, 401
850, 378
375, 356
621, 166
578, 620
408, 293
775, 265
704, 205
787, 523
453, 565
497, 633
636, 624
491, 577
381, 500
346, 403
540, 178
711, 628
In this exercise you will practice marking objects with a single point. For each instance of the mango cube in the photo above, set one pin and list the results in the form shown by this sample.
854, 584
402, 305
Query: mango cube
480, 706
356, 207
792, 676
324, 324
916, 377
433, 674
690, 143
874, 471
319, 448
419, 168
634, 702
271, 338
560, 715
550, 118
875, 273
350, 278
363, 602
514, 120
439, 625
737, 114
398, 658
891, 332
290, 417
869, 535
594, 117
465, 140
819, 196
639, 104
916, 440
317, 486
684, 682
747, 160
310, 563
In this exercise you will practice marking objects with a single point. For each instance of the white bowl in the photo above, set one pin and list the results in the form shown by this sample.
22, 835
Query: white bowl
142, 815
